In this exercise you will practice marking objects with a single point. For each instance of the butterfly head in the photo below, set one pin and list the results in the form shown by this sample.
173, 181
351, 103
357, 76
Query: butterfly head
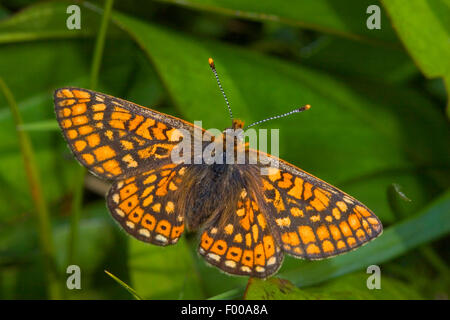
234, 135
238, 124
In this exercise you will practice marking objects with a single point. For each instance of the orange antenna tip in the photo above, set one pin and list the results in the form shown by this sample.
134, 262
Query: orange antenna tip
213, 68
305, 107
211, 63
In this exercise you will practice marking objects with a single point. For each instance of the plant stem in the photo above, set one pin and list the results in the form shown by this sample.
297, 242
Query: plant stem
35, 184
100, 44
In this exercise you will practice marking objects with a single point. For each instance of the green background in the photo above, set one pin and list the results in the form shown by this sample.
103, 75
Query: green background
378, 129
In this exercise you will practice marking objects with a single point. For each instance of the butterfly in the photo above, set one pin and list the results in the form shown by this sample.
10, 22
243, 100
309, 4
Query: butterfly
247, 220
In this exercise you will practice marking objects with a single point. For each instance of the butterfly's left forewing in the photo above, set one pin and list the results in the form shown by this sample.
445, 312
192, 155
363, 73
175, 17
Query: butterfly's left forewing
312, 219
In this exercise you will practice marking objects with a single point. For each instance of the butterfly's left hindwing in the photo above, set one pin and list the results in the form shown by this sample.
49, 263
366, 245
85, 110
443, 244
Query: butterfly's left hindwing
114, 138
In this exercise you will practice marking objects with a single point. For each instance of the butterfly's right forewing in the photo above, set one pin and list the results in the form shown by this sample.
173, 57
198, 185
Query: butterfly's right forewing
312, 219
114, 138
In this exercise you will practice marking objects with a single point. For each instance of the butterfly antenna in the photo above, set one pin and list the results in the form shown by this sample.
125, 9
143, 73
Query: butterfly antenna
304, 108
213, 68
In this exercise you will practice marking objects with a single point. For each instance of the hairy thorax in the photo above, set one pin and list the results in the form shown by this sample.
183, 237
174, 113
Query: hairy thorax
209, 191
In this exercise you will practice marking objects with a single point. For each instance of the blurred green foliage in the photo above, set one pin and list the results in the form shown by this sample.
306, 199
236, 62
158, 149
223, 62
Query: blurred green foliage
378, 120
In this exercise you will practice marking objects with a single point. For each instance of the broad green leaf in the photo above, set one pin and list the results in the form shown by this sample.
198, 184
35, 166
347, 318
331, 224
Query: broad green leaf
354, 286
349, 287
59, 62
345, 19
274, 289
428, 46
423, 27
359, 60
43, 21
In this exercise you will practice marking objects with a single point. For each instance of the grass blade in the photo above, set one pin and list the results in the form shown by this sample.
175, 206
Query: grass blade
45, 125
123, 284
34, 181
100, 44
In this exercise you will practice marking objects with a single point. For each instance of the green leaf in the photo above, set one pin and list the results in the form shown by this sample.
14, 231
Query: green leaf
274, 289
349, 287
354, 286
359, 60
326, 16
59, 62
428, 46
45, 20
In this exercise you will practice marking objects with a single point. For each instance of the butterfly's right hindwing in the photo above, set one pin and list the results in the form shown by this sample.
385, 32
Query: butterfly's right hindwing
241, 242
146, 206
